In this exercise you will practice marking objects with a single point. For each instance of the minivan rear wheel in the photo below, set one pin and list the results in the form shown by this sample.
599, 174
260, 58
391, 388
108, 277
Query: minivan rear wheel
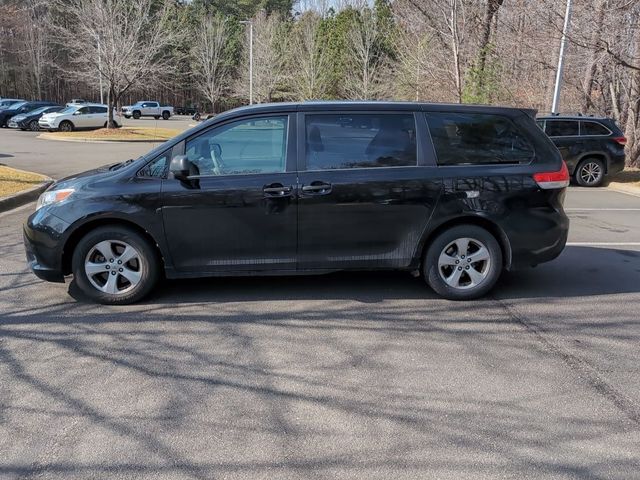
590, 173
463, 263
115, 265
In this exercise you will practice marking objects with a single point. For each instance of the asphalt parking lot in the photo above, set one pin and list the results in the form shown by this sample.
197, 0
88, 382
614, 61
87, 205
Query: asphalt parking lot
338, 376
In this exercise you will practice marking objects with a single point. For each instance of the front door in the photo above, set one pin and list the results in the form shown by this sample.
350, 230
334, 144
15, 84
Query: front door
366, 189
238, 212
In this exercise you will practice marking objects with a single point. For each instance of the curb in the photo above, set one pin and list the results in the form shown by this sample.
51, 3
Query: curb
22, 198
44, 136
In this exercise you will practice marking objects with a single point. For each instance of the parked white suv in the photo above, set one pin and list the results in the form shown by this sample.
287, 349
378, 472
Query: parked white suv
92, 115
147, 109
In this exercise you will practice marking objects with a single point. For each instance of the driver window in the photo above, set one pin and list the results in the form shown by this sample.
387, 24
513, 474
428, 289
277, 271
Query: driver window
240, 148
83, 111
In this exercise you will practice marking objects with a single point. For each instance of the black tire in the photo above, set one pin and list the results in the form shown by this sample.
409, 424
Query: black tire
146, 262
590, 172
34, 126
157, 117
489, 270
136, 115
65, 126
197, 116
166, 115
127, 116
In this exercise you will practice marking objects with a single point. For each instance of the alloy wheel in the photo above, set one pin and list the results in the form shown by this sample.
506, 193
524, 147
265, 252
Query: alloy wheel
113, 267
464, 263
591, 173
33, 126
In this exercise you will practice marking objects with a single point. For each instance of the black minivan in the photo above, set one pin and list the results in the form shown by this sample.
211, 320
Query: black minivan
455, 193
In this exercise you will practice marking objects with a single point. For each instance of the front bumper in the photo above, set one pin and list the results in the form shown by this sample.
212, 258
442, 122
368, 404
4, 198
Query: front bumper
47, 125
13, 124
43, 242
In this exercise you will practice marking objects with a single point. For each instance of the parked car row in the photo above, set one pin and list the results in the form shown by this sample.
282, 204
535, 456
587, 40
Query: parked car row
40, 115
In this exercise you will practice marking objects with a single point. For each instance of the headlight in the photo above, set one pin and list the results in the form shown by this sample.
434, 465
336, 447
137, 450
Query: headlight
53, 196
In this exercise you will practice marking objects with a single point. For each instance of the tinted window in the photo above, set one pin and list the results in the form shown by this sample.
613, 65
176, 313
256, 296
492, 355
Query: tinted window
83, 111
360, 141
561, 128
243, 147
98, 109
593, 128
472, 138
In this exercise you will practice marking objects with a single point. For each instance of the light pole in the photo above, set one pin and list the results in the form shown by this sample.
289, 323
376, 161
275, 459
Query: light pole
563, 42
250, 23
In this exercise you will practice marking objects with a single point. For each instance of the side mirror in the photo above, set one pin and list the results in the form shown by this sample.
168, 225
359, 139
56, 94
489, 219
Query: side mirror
180, 167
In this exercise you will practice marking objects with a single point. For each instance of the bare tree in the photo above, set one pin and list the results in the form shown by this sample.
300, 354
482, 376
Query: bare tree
211, 55
127, 43
363, 79
309, 73
413, 72
36, 41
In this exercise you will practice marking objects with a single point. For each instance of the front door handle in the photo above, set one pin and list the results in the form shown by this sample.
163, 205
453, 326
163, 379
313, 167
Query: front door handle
317, 188
277, 190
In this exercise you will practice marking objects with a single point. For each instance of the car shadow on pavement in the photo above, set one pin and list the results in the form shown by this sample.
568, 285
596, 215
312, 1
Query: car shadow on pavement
578, 272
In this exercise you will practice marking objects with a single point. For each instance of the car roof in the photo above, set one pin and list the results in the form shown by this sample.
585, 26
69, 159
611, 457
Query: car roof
571, 117
342, 105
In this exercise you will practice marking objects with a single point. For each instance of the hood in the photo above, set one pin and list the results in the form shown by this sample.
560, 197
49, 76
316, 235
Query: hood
80, 180
19, 118
51, 115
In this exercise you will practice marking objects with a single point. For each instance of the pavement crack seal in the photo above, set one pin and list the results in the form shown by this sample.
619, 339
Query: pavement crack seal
581, 367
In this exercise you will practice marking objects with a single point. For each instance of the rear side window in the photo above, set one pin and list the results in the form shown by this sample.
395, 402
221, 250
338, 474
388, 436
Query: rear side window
474, 138
98, 109
363, 140
593, 128
562, 128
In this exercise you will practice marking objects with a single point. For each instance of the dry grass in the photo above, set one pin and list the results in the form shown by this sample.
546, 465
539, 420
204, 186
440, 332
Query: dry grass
120, 134
14, 181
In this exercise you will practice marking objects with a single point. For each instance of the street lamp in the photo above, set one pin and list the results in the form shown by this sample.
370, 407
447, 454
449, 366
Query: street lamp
250, 23
565, 31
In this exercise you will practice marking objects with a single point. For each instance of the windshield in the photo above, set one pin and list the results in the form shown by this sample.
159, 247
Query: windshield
15, 106
38, 110
6, 103
67, 110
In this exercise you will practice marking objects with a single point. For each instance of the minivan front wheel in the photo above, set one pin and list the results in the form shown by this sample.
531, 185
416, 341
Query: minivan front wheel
590, 173
463, 263
115, 265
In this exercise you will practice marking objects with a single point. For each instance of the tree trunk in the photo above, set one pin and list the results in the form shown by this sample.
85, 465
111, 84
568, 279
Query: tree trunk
593, 57
111, 102
483, 49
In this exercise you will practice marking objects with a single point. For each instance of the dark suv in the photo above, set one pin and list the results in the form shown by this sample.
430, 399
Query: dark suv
592, 147
454, 193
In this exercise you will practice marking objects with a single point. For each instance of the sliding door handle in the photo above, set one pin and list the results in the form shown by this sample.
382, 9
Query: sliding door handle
317, 188
277, 190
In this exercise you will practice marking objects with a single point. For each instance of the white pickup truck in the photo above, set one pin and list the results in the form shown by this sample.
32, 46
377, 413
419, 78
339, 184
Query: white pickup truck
147, 109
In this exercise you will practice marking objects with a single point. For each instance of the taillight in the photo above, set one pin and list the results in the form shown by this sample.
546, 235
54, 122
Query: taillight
620, 140
548, 180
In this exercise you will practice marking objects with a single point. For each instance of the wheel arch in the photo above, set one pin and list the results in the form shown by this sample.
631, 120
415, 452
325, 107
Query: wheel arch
81, 230
595, 155
483, 222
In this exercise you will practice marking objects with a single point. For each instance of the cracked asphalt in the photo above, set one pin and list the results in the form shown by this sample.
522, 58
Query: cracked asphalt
354, 376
